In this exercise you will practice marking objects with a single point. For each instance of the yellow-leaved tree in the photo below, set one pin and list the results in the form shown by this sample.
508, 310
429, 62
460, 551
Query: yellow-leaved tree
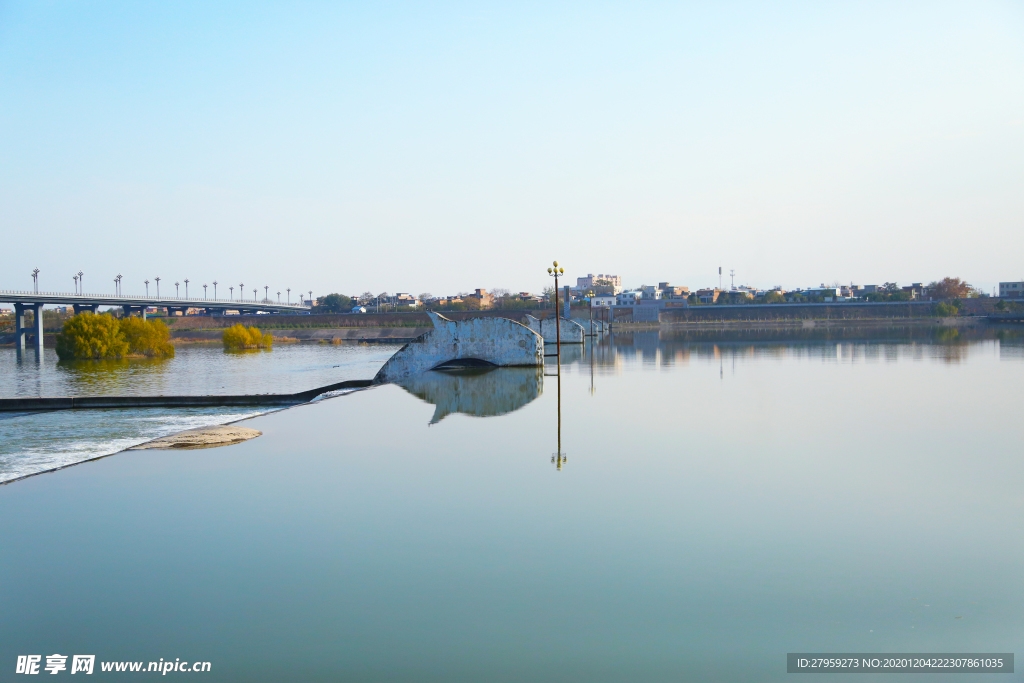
91, 336
147, 337
240, 337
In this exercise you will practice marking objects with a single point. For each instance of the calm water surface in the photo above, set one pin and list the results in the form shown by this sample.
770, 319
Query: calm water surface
697, 508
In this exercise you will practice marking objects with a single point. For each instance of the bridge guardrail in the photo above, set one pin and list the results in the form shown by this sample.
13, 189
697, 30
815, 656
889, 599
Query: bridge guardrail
141, 298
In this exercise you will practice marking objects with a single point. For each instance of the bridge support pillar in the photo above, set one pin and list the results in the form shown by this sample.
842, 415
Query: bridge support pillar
19, 326
39, 329
84, 307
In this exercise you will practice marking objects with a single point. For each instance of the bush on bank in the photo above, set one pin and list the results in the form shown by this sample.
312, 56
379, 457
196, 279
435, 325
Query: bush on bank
239, 337
92, 336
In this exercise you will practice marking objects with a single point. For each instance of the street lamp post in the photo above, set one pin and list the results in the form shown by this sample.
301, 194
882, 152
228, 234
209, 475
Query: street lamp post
311, 299
75, 278
81, 286
147, 288
119, 284
176, 293
266, 292
279, 297
254, 295
289, 290
232, 293
186, 288
157, 288
204, 290
555, 272
241, 291
214, 289
35, 280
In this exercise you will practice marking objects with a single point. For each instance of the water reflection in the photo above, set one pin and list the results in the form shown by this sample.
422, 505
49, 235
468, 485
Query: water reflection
481, 392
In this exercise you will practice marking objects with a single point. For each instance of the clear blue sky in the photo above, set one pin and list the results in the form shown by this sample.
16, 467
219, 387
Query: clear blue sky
441, 147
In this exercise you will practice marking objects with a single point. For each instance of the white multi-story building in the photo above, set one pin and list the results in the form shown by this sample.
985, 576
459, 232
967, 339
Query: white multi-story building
630, 298
591, 281
603, 300
1011, 290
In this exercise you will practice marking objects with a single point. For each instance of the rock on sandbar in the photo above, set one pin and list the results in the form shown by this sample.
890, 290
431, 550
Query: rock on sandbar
203, 437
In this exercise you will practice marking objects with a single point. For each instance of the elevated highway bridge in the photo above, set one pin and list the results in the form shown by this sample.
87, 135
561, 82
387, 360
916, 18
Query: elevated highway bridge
34, 301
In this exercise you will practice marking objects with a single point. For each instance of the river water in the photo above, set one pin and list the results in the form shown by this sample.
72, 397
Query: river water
35, 442
670, 507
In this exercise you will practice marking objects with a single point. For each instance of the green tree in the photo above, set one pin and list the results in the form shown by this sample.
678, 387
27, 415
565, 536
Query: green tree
333, 303
91, 336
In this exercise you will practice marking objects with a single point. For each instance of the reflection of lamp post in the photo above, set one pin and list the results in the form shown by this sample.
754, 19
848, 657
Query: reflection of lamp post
559, 457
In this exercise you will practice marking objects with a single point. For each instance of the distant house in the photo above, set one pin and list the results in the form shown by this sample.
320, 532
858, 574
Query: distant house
1011, 290
708, 296
604, 300
670, 292
358, 309
482, 297
404, 299
650, 294
630, 298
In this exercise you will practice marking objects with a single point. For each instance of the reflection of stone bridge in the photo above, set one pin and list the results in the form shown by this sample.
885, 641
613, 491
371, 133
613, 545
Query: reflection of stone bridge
476, 341
480, 392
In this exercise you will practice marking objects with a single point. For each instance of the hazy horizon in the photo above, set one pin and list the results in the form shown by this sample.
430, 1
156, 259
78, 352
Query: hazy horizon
443, 148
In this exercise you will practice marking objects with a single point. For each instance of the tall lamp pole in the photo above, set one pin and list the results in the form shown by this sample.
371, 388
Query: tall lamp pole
204, 290
214, 289
232, 293
555, 272
147, 289
289, 290
176, 292
81, 286
186, 288
35, 280
157, 288
241, 291
266, 292
75, 278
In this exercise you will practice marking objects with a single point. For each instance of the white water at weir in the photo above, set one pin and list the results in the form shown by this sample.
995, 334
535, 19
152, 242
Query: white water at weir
40, 441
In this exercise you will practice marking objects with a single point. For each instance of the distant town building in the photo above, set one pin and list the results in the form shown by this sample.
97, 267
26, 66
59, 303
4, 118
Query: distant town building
1011, 290
482, 297
650, 293
708, 296
591, 281
603, 300
630, 298
670, 292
